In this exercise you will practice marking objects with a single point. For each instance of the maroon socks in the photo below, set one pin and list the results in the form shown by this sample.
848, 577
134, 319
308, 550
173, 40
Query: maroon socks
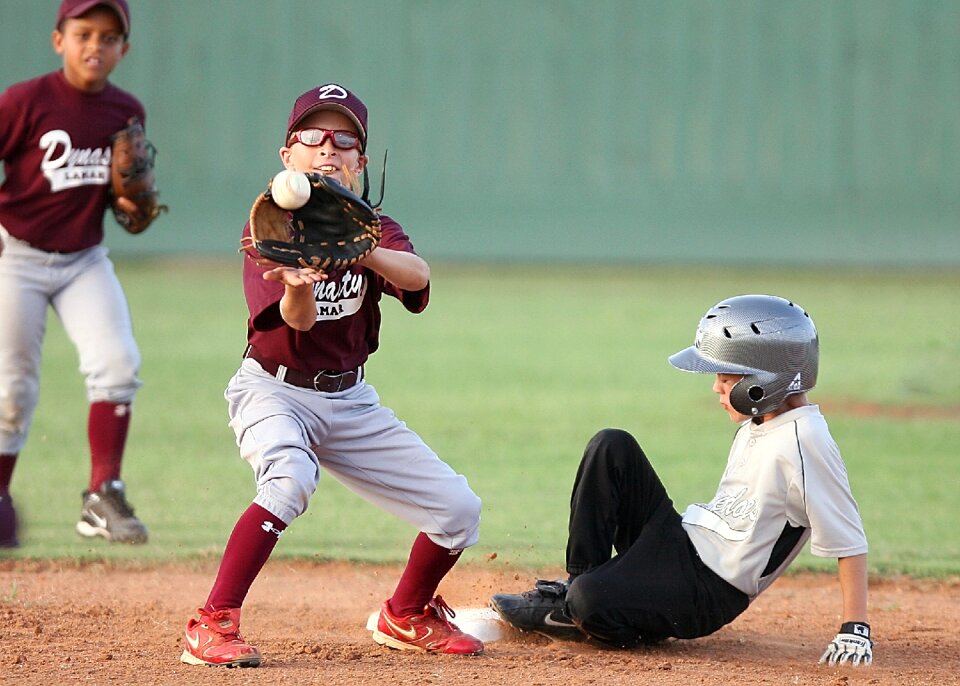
427, 566
107, 428
253, 539
7, 462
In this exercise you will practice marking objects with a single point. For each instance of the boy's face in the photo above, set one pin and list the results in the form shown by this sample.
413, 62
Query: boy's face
722, 386
91, 45
343, 165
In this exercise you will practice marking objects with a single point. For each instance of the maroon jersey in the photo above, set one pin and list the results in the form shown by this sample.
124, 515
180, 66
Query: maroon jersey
347, 331
55, 146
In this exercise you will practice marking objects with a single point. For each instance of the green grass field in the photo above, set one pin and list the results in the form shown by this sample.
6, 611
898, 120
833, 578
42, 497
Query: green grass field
506, 375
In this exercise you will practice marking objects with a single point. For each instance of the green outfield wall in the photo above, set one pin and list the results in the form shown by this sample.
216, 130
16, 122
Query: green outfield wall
636, 130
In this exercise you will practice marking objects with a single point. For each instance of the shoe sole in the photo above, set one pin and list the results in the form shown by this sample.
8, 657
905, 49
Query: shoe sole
89, 531
190, 659
390, 642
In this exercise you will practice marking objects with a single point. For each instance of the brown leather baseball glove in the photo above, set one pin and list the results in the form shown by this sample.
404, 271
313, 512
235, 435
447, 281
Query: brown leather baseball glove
134, 193
332, 231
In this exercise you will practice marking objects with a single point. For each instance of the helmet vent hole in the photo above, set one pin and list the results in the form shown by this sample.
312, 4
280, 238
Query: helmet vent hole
755, 393
755, 328
726, 332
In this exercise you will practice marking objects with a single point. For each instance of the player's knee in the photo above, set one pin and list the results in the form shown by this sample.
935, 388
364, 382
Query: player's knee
17, 402
461, 520
612, 446
19, 396
617, 440
115, 377
287, 497
468, 508
465, 509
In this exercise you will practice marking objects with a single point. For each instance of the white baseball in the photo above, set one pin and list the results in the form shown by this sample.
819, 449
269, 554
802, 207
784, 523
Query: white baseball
290, 190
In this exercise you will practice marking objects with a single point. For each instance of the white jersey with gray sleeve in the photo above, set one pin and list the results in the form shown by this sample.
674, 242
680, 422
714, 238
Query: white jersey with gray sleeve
784, 483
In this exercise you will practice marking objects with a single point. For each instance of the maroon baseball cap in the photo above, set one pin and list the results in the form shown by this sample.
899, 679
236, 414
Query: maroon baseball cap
330, 96
71, 9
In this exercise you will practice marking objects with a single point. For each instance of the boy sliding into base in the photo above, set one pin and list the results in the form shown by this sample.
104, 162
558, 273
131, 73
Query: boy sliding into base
685, 576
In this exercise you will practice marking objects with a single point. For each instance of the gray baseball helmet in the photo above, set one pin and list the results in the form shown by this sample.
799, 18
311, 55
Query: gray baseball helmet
770, 340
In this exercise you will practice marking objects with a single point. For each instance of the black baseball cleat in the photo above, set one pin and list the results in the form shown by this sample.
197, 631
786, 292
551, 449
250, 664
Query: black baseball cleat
539, 610
107, 513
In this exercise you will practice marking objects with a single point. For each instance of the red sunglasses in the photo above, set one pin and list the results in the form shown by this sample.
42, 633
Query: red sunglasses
344, 140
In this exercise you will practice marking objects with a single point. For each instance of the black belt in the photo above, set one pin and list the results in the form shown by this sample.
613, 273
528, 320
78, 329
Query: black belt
324, 380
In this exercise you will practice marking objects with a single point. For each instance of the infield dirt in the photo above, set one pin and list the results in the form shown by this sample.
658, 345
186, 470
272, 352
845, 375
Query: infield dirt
64, 623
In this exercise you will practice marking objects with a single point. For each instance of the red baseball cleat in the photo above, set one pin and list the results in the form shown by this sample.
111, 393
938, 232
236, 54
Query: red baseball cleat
430, 632
215, 640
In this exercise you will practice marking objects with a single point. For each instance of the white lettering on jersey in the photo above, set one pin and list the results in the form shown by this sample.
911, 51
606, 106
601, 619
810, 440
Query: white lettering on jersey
731, 515
66, 167
336, 300
699, 515
735, 506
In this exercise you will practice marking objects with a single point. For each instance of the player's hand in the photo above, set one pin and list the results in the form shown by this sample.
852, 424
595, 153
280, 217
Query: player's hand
852, 645
294, 276
127, 205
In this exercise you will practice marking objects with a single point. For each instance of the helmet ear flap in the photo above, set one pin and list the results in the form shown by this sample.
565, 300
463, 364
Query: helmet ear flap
752, 395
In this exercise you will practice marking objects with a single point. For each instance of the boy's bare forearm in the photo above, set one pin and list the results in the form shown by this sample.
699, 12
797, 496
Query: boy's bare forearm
298, 307
852, 572
405, 270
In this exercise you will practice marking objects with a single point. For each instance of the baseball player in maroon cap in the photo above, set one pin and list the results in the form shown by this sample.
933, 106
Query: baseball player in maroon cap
301, 405
55, 141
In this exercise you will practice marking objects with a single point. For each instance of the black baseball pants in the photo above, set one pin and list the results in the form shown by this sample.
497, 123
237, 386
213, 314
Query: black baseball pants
655, 586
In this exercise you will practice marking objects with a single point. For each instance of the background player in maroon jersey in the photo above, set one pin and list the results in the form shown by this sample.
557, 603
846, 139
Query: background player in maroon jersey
55, 135
300, 403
